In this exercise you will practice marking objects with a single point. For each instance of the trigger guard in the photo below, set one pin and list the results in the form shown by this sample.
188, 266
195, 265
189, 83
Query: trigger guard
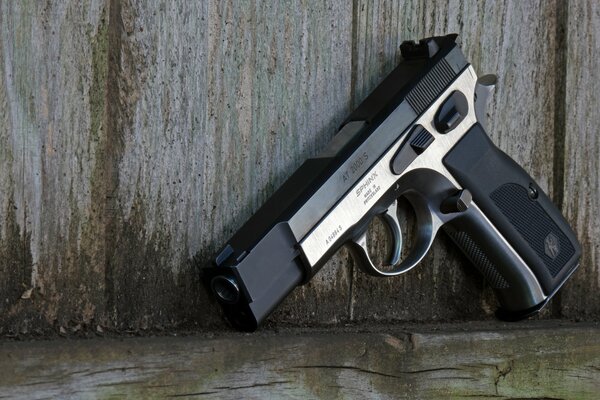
428, 224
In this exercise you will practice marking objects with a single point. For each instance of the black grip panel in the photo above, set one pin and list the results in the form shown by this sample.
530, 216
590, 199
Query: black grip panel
517, 290
517, 207
479, 258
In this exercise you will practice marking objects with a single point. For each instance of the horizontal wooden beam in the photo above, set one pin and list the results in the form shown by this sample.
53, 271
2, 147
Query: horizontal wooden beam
529, 360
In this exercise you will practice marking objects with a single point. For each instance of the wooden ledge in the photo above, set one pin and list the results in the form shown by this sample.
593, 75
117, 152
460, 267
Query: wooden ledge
537, 359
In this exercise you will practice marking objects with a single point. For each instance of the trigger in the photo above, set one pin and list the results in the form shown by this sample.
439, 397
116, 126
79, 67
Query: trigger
483, 91
391, 218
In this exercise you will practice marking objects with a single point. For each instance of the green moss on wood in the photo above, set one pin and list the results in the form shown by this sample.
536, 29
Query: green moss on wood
540, 361
16, 264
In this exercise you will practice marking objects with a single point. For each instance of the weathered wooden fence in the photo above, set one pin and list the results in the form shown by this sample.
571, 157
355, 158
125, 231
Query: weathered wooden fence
136, 136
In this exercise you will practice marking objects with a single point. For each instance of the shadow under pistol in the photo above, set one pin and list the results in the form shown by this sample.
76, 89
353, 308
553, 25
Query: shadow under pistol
418, 136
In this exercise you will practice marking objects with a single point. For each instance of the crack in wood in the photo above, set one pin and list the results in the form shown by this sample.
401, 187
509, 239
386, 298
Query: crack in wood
369, 371
192, 394
581, 377
502, 372
159, 386
558, 369
534, 398
122, 383
36, 384
116, 369
251, 386
227, 388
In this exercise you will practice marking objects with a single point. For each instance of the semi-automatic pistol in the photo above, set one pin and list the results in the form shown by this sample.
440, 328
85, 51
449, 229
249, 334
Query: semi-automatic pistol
418, 139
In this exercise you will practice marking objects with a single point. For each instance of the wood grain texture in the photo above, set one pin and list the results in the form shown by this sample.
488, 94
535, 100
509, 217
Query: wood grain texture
543, 361
134, 149
136, 137
496, 37
582, 149
53, 69
227, 105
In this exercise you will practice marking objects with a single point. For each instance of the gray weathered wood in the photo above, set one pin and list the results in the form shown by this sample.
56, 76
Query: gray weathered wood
136, 136
143, 137
582, 155
539, 361
53, 64
239, 95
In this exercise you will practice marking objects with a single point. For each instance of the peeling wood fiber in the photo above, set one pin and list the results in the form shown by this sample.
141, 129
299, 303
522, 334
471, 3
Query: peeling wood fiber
136, 137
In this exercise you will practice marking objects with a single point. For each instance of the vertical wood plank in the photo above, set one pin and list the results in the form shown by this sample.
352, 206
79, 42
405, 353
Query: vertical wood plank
152, 173
53, 68
582, 148
517, 41
219, 103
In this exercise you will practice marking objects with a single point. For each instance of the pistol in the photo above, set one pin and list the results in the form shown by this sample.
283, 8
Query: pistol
419, 140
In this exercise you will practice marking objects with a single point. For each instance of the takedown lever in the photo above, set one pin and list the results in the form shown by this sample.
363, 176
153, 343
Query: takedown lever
483, 92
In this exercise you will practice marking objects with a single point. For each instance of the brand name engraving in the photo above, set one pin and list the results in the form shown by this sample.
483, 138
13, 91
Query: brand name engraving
368, 188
